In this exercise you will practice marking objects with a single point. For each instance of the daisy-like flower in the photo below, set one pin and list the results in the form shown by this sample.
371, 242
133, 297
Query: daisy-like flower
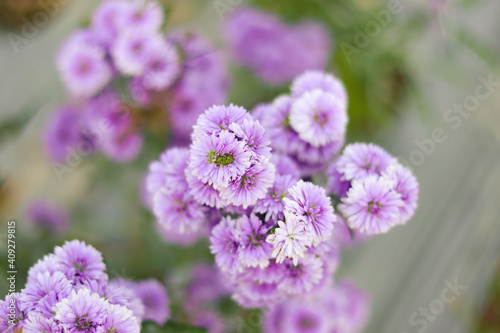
155, 299
371, 205
140, 16
319, 118
177, 210
49, 263
312, 80
290, 239
80, 262
161, 65
225, 245
219, 118
273, 204
360, 160
105, 20
405, 184
84, 69
252, 233
42, 293
218, 159
131, 49
251, 186
168, 170
310, 203
120, 319
302, 277
254, 136
37, 323
82, 312
305, 317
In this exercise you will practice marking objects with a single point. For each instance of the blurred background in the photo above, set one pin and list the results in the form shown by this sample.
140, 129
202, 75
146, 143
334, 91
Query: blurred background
410, 88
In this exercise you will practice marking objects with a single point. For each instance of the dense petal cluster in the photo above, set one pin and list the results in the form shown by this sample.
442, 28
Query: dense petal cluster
343, 308
381, 192
230, 155
69, 292
124, 74
309, 125
275, 51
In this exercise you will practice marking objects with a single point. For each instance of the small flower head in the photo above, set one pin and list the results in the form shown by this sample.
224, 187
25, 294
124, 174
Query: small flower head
120, 319
290, 239
218, 118
168, 171
80, 262
285, 165
310, 203
319, 118
225, 245
302, 277
37, 322
155, 299
252, 233
313, 80
273, 204
405, 184
360, 160
254, 136
371, 205
161, 65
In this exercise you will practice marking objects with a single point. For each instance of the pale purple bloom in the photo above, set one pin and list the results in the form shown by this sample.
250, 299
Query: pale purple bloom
225, 245
84, 69
155, 299
251, 233
254, 136
319, 118
290, 240
305, 317
252, 294
132, 49
313, 80
316, 158
140, 17
105, 20
120, 319
121, 292
11, 316
82, 311
161, 65
63, 134
44, 291
47, 215
168, 171
178, 211
302, 277
273, 204
360, 160
204, 193
336, 184
405, 184
37, 323
218, 159
218, 119
49, 263
251, 186
310, 203
371, 205
285, 165
80, 262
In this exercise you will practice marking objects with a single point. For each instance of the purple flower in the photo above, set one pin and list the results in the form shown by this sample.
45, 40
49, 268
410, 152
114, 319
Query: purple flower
371, 205
313, 80
305, 317
273, 203
405, 184
218, 119
252, 294
140, 17
37, 323
319, 118
47, 215
225, 245
251, 234
155, 299
290, 239
302, 277
44, 291
360, 160
218, 159
120, 319
82, 311
49, 263
204, 193
121, 292
209, 320
63, 134
161, 65
80, 262
105, 20
254, 136
251, 186
83, 69
285, 165
178, 211
168, 170
336, 184
310, 203
11, 317
131, 50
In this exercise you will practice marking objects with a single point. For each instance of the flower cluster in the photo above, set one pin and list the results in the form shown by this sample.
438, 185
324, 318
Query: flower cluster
309, 125
342, 308
124, 74
376, 191
69, 291
275, 51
